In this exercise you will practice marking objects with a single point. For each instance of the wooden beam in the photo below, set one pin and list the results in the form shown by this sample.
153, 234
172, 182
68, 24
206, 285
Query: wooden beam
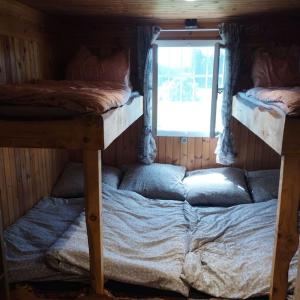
93, 211
286, 239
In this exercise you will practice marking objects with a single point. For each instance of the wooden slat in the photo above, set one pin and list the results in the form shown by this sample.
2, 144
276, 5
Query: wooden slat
93, 208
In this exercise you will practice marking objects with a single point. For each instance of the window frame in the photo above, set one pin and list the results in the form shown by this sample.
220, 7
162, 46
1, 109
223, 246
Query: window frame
186, 43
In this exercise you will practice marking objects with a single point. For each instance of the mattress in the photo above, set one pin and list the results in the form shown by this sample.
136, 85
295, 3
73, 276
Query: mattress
61, 99
287, 99
27, 240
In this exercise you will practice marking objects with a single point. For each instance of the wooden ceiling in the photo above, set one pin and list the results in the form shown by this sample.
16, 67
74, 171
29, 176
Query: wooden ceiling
163, 9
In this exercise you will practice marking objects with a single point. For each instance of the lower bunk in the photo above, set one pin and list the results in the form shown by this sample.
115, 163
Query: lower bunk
164, 244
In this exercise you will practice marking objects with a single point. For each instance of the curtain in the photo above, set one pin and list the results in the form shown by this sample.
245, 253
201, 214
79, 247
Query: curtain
231, 36
145, 36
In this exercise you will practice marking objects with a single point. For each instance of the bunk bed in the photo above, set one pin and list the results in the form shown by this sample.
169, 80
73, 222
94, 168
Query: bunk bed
90, 132
281, 131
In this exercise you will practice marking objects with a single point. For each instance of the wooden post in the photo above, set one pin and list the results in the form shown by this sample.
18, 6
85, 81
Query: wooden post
286, 239
93, 211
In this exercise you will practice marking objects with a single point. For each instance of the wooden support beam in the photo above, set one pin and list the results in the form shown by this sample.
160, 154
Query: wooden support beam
93, 211
286, 239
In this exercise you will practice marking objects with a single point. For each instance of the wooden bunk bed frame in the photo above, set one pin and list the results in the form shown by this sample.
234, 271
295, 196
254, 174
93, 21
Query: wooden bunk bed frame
282, 134
91, 134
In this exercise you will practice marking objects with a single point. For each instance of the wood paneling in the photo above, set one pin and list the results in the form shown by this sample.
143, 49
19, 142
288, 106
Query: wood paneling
167, 9
25, 54
252, 152
26, 175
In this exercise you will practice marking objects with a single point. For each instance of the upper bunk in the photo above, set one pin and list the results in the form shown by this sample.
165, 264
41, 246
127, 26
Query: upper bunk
268, 94
87, 110
277, 128
90, 132
84, 126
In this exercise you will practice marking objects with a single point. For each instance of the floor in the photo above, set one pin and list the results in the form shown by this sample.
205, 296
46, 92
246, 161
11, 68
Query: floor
114, 290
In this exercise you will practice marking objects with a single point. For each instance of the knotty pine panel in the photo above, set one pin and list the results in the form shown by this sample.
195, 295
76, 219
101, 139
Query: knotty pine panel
197, 153
167, 9
26, 54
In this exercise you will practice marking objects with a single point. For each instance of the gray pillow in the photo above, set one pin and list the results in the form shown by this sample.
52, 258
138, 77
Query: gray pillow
264, 184
70, 184
155, 181
217, 187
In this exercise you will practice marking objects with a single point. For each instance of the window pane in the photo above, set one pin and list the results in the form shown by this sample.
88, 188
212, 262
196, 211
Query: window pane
184, 90
219, 126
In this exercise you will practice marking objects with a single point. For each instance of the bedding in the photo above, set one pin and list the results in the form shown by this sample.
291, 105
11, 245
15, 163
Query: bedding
27, 240
263, 184
145, 242
230, 251
288, 99
216, 187
73, 96
70, 183
161, 181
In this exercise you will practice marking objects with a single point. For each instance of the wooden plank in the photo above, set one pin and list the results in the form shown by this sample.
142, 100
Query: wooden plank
176, 151
54, 134
206, 152
198, 153
93, 205
169, 150
190, 153
118, 120
286, 239
183, 153
267, 124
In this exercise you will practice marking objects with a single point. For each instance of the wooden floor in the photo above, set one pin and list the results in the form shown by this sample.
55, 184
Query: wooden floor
114, 290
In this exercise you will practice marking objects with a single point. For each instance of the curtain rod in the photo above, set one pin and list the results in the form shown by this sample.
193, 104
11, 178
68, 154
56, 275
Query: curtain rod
191, 29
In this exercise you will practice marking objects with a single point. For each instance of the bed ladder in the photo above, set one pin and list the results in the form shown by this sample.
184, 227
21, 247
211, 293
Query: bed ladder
4, 290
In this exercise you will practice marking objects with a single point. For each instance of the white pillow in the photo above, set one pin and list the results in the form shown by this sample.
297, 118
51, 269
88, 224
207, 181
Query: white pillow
70, 184
155, 181
216, 187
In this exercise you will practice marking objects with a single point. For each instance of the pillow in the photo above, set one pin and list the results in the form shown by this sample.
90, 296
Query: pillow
217, 187
276, 68
156, 181
70, 184
88, 67
263, 185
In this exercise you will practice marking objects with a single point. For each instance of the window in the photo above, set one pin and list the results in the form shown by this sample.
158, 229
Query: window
183, 82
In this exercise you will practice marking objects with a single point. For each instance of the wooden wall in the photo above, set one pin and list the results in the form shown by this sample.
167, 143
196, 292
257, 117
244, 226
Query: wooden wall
26, 53
252, 152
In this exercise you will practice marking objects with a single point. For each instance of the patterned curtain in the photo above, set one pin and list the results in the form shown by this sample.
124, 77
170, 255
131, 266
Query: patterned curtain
146, 35
231, 36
